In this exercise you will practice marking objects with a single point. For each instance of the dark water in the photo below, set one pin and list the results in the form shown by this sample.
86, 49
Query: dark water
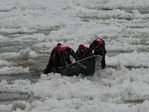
142, 11
7, 98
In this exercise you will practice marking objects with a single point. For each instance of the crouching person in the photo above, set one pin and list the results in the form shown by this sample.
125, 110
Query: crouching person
82, 51
51, 64
98, 48
62, 56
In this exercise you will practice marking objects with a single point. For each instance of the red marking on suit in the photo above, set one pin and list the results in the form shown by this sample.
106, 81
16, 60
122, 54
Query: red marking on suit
100, 42
61, 48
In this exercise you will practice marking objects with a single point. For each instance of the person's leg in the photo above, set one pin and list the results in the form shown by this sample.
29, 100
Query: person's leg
57, 63
103, 62
48, 67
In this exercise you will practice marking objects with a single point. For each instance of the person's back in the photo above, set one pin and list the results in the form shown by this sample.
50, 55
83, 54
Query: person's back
82, 51
63, 56
98, 46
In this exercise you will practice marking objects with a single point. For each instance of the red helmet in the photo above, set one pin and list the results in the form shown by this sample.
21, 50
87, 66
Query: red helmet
81, 46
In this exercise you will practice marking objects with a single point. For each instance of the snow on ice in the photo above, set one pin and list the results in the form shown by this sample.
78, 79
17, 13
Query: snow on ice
29, 29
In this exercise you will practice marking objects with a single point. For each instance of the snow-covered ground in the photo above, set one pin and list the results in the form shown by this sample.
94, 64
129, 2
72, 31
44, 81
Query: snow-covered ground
29, 29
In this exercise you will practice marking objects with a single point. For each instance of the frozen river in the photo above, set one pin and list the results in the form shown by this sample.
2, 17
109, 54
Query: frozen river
36, 65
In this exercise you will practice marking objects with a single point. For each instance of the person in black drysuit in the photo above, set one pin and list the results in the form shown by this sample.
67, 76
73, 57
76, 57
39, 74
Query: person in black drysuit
98, 46
51, 64
82, 51
62, 56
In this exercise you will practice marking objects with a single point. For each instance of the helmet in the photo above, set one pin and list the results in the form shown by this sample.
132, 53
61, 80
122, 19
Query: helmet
59, 44
68, 50
95, 43
81, 46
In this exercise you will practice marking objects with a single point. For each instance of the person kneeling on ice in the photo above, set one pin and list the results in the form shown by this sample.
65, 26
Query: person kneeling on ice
82, 51
62, 56
51, 64
98, 46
